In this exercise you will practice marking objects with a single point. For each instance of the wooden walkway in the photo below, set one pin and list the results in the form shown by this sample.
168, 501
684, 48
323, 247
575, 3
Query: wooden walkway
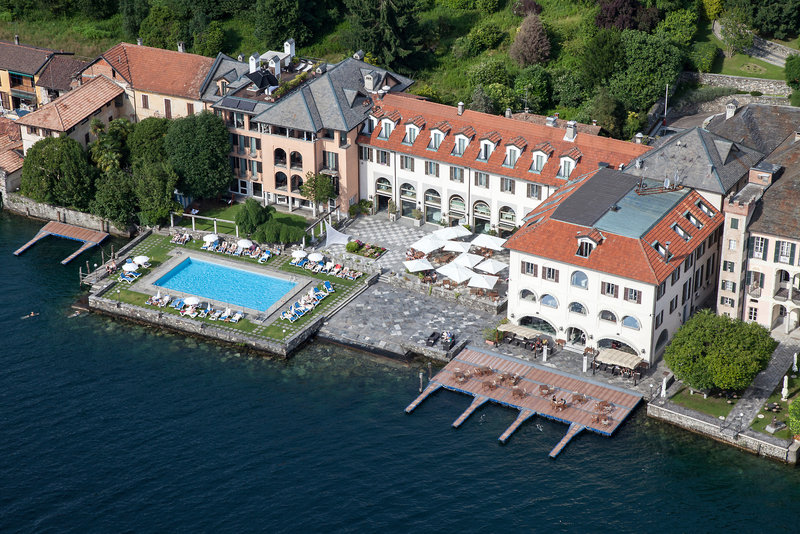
89, 238
476, 403
580, 402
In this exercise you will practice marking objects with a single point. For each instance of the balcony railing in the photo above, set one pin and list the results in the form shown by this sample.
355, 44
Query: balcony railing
754, 291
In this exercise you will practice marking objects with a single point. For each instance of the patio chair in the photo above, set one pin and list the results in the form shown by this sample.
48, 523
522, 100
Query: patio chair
237, 317
302, 263
177, 304
328, 287
264, 256
238, 251
319, 293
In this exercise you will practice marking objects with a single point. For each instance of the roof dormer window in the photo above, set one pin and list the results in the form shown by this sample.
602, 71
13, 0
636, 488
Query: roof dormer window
461, 145
694, 220
411, 135
567, 165
487, 147
585, 247
436, 140
369, 125
512, 153
681, 232
386, 129
539, 159
704, 208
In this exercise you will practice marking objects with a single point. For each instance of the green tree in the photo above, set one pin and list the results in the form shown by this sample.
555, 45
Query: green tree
602, 57
209, 42
792, 71
794, 417
388, 29
679, 27
712, 9
110, 148
777, 18
423, 89
489, 71
114, 197
568, 88
532, 87
277, 20
198, 148
154, 185
734, 31
717, 352
162, 28
57, 171
252, 215
317, 188
502, 97
133, 13
531, 44
147, 139
702, 56
481, 101
607, 111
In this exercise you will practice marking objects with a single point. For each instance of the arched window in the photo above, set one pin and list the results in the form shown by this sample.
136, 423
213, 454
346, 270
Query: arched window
631, 322
662, 338
383, 185
527, 294
408, 191
606, 315
481, 209
296, 160
579, 279
432, 197
297, 182
549, 301
280, 181
280, 157
577, 307
507, 216
457, 204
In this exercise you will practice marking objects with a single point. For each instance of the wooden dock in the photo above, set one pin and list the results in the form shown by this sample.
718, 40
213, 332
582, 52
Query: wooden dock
580, 402
89, 238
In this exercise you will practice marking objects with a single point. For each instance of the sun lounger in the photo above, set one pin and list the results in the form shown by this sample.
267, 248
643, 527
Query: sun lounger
288, 316
336, 269
327, 268
123, 277
319, 293
328, 286
298, 309
189, 311
302, 262
164, 301
204, 312
237, 316
238, 251
264, 256
216, 315
177, 304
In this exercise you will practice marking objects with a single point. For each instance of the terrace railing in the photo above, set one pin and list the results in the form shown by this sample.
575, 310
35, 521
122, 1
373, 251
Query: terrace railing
194, 218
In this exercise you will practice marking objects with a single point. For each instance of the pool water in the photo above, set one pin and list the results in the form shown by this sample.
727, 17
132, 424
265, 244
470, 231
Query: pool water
240, 288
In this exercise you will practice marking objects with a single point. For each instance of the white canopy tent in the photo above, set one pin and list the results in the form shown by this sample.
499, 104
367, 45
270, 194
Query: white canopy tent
483, 281
456, 273
457, 246
452, 232
488, 241
334, 237
415, 266
428, 244
468, 260
491, 266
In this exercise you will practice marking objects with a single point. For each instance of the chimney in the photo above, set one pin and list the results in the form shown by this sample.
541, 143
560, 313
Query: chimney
666, 250
551, 121
508, 113
255, 62
139, 41
594, 122
288, 47
730, 109
240, 58
181, 47
638, 138
16, 39
275, 66
369, 82
460, 108
359, 55
572, 131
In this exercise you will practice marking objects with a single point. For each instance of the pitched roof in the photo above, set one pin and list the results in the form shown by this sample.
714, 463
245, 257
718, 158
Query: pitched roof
547, 234
778, 211
71, 108
166, 72
594, 149
759, 126
541, 120
698, 159
23, 59
10, 145
59, 71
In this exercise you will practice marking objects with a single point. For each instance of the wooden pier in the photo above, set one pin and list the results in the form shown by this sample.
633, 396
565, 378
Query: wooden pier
89, 238
532, 389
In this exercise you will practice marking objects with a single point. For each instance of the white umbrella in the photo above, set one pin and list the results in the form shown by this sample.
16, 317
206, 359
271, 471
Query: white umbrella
299, 254
428, 244
315, 256
455, 272
244, 243
468, 260
491, 266
457, 246
130, 267
415, 266
141, 260
489, 241
210, 238
191, 301
158, 295
483, 281
451, 232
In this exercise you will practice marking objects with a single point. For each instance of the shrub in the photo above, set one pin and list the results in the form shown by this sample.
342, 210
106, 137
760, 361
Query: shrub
531, 44
416, 214
484, 36
706, 94
794, 416
488, 72
481, 101
487, 6
756, 93
502, 97
793, 71
702, 56
523, 8
6, 16
353, 246
794, 99
532, 88
568, 88
457, 4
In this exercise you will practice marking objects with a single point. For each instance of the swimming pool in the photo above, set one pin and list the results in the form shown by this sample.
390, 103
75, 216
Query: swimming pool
237, 287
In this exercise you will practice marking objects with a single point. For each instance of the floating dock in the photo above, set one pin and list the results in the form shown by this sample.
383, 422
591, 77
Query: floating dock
89, 238
582, 403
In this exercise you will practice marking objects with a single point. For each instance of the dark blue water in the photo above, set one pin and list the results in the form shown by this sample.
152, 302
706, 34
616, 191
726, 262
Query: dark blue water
107, 426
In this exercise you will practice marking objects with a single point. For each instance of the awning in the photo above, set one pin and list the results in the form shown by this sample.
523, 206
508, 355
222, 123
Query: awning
620, 358
522, 331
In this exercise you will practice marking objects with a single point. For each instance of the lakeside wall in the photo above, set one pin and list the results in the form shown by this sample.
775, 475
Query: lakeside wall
16, 203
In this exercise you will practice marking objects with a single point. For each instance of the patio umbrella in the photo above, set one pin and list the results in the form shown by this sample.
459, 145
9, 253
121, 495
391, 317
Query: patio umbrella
414, 266
428, 244
130, 267
455, 272
457, 246
483, 281
315, 257
191, 301
141, 260
299, 254
468, 260
452, 232
244, 243
491, 266
158, 295
489, 241
210, 238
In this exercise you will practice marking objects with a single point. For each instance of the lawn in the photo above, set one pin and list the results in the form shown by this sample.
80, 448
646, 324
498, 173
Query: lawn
229, 213
85, 37
760, 425
792, 43
738, 64
714, 406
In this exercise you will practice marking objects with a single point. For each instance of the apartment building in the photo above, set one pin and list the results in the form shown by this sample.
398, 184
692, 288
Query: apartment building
21, 67
614, 261
457, 166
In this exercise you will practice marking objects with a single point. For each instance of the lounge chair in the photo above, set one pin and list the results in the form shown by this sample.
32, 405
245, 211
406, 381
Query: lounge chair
327, 268
164, 301
238, 251
319, 293
226, 315
298, 309
336, 269
264, 256
123, 277
231, 249
237, 316
216, 315
289, 316
302, 262
205, 311
177, 304
189, 311
328, 287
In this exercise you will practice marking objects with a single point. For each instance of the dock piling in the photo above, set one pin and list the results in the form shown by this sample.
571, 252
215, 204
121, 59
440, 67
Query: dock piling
421, 374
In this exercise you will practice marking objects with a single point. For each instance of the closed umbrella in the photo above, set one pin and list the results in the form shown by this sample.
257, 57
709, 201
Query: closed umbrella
315, 257
244, 243
191, 301
457, 246
483, 281
491, 266
210, 238
141, 260
455, 272
468, 260
415, 266
299, 254
130, 267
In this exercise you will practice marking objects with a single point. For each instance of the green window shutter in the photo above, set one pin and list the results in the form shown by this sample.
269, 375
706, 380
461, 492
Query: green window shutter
748, 278
750, 246
791, 254
761, 280
777, 249
734, 287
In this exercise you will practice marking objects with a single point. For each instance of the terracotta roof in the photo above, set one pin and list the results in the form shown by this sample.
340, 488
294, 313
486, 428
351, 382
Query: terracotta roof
468, 131
166, 72
10, 158
10, 145
594, 149
68, 110
545, 147
9, 130
541, 120
59, 71
23, 59
442, 126
518, 142
574, 153
629, 257
418, 121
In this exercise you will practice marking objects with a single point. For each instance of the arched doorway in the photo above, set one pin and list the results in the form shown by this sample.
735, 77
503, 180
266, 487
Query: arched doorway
408, 199
280, 157
433, 206
576, 336
778, 315
608, 343
456, 211
281, 181
507, 222
481, 217
537, 324
782, 283
383, 193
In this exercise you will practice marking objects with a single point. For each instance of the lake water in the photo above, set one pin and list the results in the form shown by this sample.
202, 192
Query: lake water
107, 426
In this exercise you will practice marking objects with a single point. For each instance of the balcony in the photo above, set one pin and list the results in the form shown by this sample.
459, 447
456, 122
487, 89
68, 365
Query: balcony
754, 291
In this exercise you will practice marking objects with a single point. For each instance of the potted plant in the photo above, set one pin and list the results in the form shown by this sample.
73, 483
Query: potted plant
392, 211
492, 335
417, 215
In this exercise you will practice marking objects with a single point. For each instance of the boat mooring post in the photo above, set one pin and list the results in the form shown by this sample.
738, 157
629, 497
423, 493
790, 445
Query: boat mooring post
421, 374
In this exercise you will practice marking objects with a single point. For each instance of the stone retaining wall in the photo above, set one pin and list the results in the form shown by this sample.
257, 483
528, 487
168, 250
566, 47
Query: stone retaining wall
460, 296
742, 83
21, 205
746, 440
718, 105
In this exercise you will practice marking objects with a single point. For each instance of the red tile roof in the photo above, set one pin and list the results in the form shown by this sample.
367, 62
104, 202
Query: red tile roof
59, 71
592, 129
71, 108
166, 72
594, 149
618, 255
10, 145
